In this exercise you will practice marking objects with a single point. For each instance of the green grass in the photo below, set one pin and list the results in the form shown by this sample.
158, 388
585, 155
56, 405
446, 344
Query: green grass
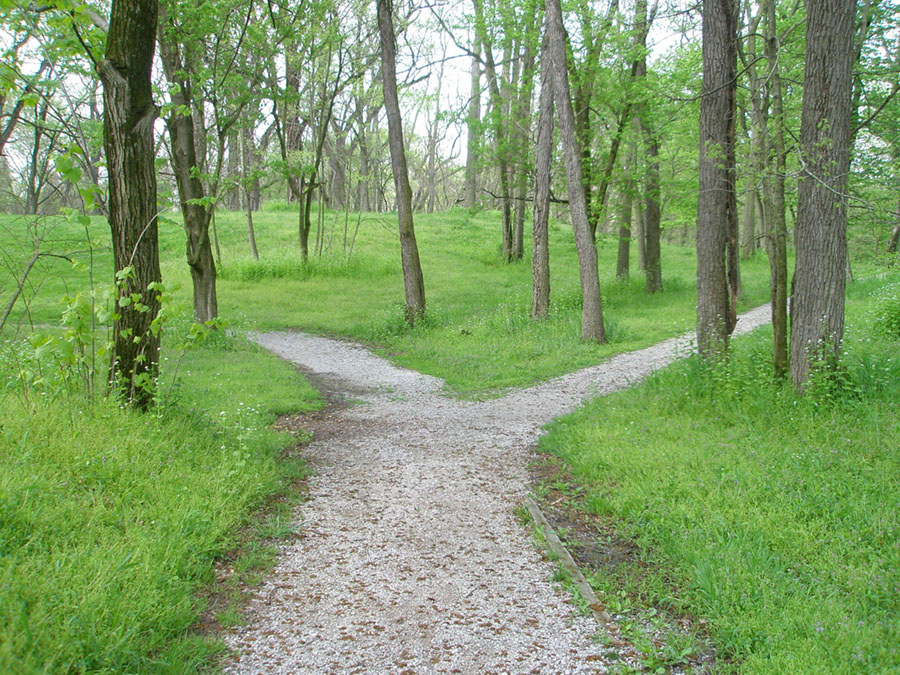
773, 517
477, 334
110, 521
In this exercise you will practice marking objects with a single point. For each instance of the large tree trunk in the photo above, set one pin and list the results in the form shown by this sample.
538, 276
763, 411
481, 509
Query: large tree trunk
128, 118
817, 300
409, 252
185, 165
540, 260
716, 203
592, 311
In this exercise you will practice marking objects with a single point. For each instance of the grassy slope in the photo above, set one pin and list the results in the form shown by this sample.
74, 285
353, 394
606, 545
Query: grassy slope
776, 516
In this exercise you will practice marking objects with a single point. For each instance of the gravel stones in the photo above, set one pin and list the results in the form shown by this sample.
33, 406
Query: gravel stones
410, 557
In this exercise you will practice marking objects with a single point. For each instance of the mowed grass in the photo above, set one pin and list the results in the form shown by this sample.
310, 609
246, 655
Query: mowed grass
477, 334
773, 517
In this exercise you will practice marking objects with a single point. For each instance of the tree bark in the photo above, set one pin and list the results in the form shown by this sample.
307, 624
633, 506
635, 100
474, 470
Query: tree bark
128, 118
777, 222
894, 240
817, 300
592, 311
191, 193
652, 229
522, 128
748, 218
626, 207
502, 142
409, 252
540, 260
473, 127
716, 201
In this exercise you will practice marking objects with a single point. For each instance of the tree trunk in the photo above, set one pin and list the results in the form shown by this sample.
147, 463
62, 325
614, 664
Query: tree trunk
716, 202
540, 260
497, 107
128, 118
473, 127
592, 309
626, 207
748, 218
817, 300
191, 193
624, 252
409, 252
777, 222
33, 184
522, 129
894, 240
652, 229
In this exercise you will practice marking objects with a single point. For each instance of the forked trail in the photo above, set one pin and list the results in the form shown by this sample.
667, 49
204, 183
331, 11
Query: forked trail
409, 556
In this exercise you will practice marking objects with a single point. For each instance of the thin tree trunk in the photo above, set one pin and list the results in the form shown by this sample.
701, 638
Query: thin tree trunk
592, 310
652, 229
522, 130
716, 201
251, 235
627, 207
748, 218
128, 118
817, 300
778, 223
540, 260
185, 165
409, 252
502, 151
624, 251
639, 220
473, 127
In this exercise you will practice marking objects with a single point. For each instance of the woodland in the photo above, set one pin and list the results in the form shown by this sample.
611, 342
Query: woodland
493, 193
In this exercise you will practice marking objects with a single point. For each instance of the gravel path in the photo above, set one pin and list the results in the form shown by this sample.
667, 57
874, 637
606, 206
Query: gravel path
409, 557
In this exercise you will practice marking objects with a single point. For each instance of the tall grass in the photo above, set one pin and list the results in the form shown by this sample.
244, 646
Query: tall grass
110, 521
772, 516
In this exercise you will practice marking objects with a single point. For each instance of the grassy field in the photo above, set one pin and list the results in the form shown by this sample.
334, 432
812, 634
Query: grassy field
477, 334
774, 518
96, 499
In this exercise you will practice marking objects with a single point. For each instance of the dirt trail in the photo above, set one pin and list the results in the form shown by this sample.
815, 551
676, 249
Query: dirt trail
410, 558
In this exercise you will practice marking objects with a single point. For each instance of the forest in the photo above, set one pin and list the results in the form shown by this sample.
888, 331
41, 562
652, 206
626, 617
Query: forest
496, 194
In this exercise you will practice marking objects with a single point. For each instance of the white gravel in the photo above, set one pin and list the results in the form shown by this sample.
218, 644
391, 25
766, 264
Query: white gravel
409, 557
